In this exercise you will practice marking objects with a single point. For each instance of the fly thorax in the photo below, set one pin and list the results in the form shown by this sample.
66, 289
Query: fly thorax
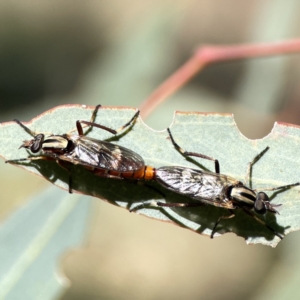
56, 144
243, 195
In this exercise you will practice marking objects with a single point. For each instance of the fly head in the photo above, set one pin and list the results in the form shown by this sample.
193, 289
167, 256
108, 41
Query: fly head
34, 145
262, 204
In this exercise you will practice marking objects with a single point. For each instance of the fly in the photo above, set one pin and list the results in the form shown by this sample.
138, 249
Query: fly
100, 157
215, 189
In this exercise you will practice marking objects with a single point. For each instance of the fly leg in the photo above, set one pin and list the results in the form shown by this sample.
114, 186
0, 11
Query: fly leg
150, 187
93, 124
219, 220
262, 222
249, 175
250, 165
30, 158
278, 187
186, 153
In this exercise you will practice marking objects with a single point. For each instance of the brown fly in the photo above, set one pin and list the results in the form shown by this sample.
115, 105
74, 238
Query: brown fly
103, 158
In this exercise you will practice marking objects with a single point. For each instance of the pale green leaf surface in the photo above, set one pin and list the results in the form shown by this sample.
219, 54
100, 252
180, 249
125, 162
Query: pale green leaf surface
34, 238
215, 135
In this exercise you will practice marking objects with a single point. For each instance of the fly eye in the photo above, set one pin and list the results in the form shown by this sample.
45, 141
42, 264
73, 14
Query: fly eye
259, 204
37, 144
262, 196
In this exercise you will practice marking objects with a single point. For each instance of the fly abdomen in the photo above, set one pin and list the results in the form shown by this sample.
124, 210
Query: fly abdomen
145, 173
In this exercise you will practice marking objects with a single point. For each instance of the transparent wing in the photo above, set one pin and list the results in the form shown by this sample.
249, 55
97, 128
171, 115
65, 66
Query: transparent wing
209, 188
103, 155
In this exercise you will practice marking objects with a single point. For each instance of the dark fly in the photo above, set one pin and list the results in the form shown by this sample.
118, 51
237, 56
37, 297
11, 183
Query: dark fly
100, 157
215, 189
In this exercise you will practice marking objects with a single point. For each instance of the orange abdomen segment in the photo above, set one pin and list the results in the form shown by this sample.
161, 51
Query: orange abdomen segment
146, 173
149, 173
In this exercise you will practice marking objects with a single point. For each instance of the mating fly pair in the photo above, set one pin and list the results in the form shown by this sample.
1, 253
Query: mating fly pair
111, 161
100, 157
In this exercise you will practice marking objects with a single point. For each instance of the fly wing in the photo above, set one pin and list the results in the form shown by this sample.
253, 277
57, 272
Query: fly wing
209, 188
104, 155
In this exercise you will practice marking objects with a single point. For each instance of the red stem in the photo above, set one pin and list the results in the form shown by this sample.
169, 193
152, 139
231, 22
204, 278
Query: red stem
206, 55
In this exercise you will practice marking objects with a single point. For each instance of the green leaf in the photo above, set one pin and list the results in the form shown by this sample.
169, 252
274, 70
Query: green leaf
215, 135
36, 235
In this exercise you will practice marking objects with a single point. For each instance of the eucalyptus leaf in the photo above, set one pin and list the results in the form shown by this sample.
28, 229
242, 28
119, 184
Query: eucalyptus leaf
34, 238
213, 134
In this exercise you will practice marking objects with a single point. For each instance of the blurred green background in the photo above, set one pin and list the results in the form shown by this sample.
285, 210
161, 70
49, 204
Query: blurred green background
116, 53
